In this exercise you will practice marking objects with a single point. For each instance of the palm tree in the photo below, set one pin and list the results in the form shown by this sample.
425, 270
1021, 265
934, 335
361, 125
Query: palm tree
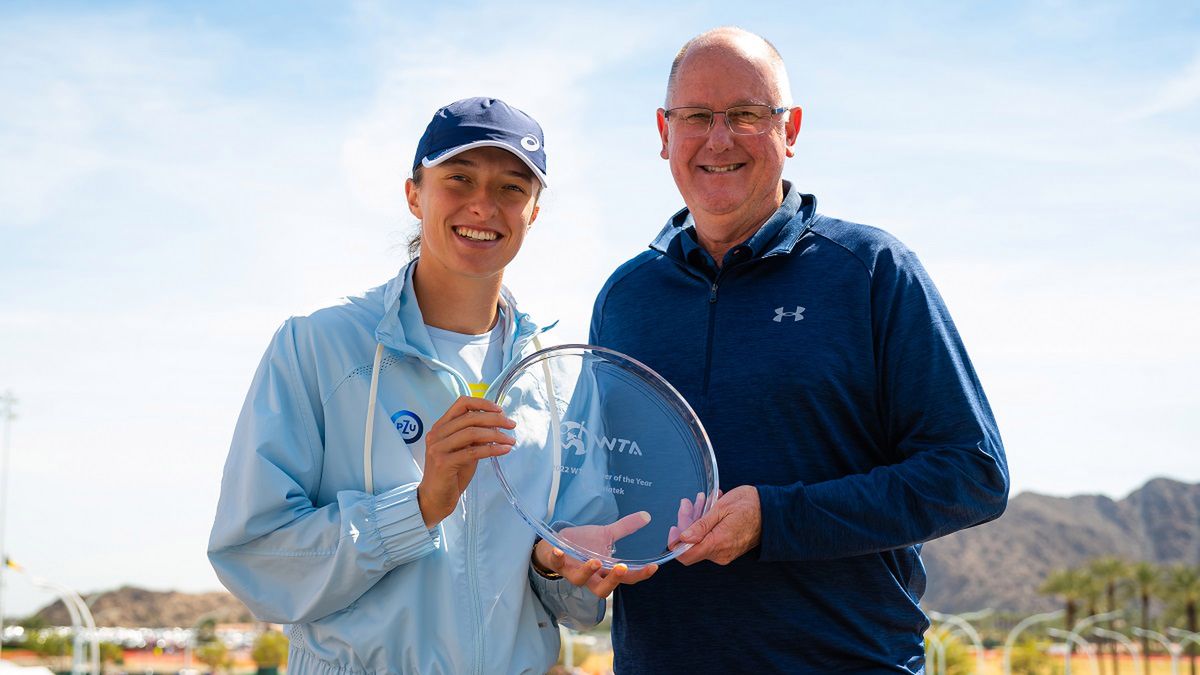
1147, 579
1184, 586
1108, 573
1071, 585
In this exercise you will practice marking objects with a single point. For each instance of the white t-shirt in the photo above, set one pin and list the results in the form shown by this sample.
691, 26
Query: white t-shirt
479, 358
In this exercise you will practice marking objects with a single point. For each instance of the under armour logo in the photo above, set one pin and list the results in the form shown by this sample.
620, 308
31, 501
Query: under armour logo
796, 315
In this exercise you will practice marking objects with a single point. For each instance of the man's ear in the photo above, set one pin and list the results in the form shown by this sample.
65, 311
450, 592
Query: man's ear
792, 129
412, 194
532, 217
662, 132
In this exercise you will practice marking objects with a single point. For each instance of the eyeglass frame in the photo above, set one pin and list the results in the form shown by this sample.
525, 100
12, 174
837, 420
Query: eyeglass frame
712, 120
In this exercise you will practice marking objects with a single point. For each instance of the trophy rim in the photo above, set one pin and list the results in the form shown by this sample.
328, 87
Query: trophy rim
510, 374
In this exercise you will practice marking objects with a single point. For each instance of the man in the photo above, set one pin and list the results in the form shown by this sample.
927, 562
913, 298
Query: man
848, 423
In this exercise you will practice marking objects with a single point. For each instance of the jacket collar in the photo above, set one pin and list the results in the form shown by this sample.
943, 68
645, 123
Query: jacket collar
403, 328
777, 235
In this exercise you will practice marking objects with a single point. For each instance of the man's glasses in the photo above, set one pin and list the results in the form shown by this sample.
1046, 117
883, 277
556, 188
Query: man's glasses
744, 120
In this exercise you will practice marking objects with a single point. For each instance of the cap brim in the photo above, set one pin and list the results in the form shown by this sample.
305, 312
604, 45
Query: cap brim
434, 160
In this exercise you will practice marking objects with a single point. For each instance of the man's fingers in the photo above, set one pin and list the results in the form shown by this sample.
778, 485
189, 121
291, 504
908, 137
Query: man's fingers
684, 517
628, 525
694, 554
698, 529
672, 537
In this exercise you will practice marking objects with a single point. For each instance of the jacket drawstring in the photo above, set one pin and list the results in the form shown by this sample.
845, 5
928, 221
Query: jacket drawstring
368, 478
551, 404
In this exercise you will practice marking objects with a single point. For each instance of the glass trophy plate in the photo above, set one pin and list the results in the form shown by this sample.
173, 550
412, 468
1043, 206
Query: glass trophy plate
609, 461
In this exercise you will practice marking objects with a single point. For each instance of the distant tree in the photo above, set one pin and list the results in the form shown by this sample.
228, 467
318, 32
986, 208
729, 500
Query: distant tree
215, 655
33, 622
959, 660
270, 651
1029, 657
1183, 585
111, 652
1147, 582
1108, 573
1071, 586
49, 645
205, 630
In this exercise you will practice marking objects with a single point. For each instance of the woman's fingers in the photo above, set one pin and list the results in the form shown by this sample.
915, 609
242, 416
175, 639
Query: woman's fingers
470, 420
602, 584
472, 436
574, 571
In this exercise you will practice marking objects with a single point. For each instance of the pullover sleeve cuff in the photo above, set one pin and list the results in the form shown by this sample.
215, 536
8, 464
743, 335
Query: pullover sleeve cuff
573, 606
781, 519
400, 526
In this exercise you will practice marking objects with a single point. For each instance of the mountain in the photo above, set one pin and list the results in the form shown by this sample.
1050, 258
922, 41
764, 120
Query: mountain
137, 607
1001, 564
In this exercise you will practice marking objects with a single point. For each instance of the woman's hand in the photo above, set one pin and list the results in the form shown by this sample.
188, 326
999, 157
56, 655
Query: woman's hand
468, 432
599, 581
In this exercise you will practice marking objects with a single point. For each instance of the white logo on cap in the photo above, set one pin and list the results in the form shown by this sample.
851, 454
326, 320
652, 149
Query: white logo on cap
530, 143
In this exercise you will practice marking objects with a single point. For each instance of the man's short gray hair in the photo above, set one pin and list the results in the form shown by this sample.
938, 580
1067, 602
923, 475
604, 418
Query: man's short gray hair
732, 35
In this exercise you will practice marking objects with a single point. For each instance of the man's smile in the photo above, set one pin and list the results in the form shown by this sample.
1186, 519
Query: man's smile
721, 168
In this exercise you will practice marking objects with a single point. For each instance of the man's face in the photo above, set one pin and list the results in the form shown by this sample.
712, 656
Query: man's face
730, 182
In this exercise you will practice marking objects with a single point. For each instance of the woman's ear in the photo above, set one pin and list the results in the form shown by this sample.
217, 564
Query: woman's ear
412, 194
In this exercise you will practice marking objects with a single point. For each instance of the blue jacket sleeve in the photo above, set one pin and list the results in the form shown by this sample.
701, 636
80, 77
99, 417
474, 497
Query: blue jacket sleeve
288, 559
573, 606
949, 470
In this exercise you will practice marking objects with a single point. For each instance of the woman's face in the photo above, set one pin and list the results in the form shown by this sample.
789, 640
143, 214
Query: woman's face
474, 210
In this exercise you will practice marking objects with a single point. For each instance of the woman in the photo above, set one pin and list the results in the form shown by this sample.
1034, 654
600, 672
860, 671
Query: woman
383, 545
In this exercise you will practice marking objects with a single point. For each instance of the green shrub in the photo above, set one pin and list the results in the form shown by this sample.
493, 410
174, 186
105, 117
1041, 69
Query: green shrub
270, 649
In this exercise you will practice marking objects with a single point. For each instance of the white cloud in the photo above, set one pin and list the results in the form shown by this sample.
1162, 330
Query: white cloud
1178, 93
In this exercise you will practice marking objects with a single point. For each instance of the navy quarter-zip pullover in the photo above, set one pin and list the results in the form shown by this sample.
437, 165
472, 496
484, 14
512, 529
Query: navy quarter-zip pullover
828, 374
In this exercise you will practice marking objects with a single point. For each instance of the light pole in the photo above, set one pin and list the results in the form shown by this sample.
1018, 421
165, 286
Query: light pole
967, 628
7, 403
1074, 635
938, 654
568, 641
1074, 638
81, 620
1119, 637
1185, 636
1172, 648
1016, 630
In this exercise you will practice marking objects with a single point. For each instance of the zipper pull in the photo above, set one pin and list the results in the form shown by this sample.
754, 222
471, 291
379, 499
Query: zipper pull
712, 296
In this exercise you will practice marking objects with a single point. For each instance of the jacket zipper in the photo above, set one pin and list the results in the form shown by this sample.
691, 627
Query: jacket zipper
708, 345
472, 547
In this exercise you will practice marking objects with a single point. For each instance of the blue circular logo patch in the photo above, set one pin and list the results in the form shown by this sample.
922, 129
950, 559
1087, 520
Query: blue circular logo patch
409, 425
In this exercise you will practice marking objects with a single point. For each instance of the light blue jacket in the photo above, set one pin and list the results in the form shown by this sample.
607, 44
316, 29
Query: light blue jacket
366, 586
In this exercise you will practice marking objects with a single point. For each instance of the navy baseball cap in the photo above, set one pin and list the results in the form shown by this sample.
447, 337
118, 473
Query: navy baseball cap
482, 122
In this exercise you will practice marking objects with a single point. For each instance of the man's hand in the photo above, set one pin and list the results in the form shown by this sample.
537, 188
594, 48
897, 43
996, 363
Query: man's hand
730, 529
468, 432
599, 581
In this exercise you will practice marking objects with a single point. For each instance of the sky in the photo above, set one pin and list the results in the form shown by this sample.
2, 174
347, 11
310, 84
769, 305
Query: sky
176, 179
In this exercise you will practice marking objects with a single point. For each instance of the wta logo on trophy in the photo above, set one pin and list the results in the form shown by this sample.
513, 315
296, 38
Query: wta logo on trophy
578, 438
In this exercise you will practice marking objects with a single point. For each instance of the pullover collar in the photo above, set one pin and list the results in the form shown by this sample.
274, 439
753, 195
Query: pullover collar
778, 234
403, 328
